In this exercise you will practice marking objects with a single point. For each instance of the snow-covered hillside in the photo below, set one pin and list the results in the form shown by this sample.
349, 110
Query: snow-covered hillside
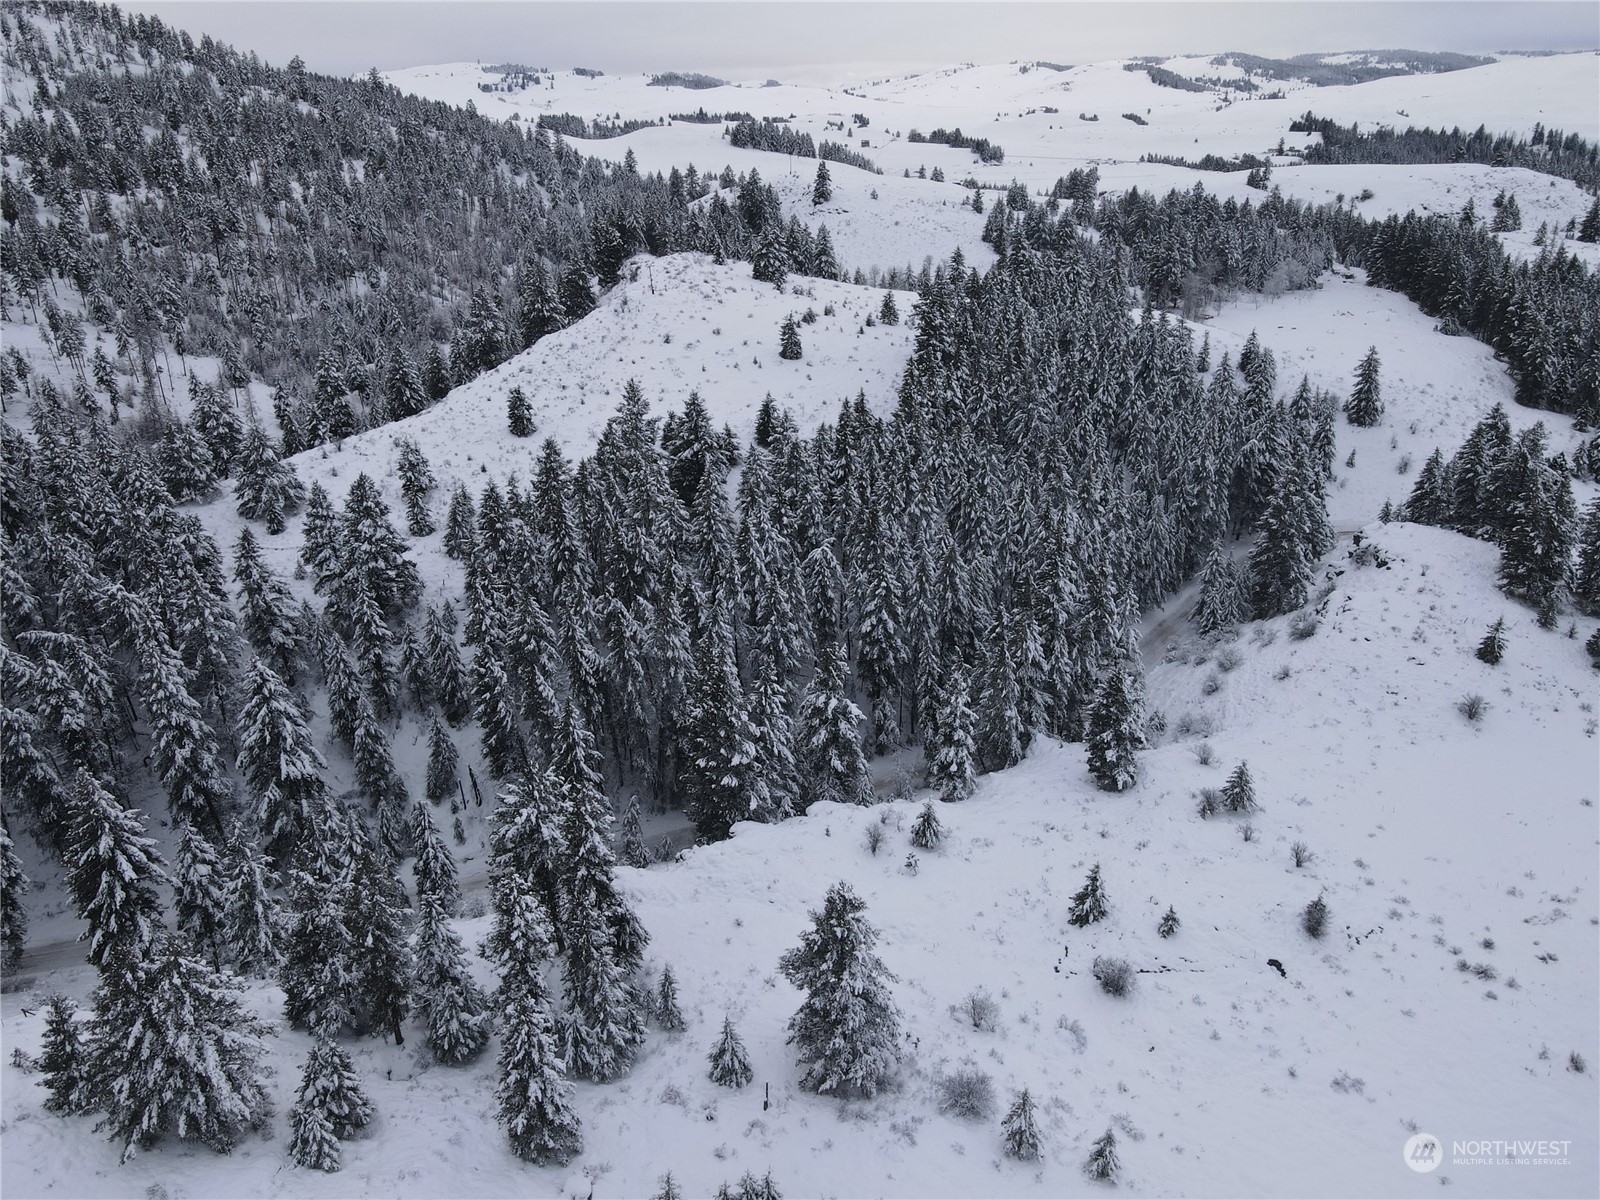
1433, 838
1443, 809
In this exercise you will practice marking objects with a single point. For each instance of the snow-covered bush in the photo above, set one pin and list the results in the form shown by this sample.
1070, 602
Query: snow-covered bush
1472, 707
1115, 975
967, 1094
1314, 920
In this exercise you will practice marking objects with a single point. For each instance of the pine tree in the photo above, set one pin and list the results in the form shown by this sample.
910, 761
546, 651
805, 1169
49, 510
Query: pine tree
13, 917
519, 414
888, 311
789, 340
381, 958
847, 1028
1365, 405
185, 752
318, 974
822, 189
1538, 520
1430, 499
1493, 647
253, 923
449, 678
200, 894
951, 745
535, 1102
268, 489
1169, 923
267, 612
730, 1064
460, 525
113, 871
1222, 603
63, 1058
279, 758
1281, 563
1586, 576
434, 868
634, 852
830, 737
721, 782
668, 1189
603, 1026
1116, 729
927, 833
667, 1013
1088, 902
329, 1107
1103, 1163
505, 751
175, 1051
527, 849
1019, 1131
449, 1003
416, 481
1239, 793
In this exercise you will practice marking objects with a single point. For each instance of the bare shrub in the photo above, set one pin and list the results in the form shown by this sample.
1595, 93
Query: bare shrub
967, 1094
1205, 754
1301, 853
1115, 975
874, 836
979, 1008
1228, 658
1303, 625
1472, 707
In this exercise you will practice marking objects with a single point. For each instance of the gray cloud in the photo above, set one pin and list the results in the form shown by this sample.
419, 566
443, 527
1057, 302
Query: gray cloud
817, 41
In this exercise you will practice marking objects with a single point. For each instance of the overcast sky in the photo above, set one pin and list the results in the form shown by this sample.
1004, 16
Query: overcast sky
815, 42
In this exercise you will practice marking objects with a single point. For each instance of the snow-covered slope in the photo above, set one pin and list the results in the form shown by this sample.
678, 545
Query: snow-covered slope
1430, 835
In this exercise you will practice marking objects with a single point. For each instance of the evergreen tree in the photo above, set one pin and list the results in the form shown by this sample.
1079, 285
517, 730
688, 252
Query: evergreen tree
505, 751
13, 917
267, 612
252, 926
634, 852
64, 1059
1169, 923
667, 1013
1538, 518
951, 743
668, 1189
1586, 578
1116, 729
434, 869
519, 414
847, 1028
279, 758
460, 525
113, 871
789, 340
449, 678
416, 481
830, 737
534, 1100
200, 894
771, 261
1103, 1163
381, 957
822, 189
1221, 606
772, 737
450, 1005
268, 489
1365, 405
888, 311
730, 1064
722, 782
927, 833
175, 1051
1281, 563
1019, 1131
1239, 793
185, 752
1430, 499
1088, 902
329, 1107
1493, 647
318, 974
